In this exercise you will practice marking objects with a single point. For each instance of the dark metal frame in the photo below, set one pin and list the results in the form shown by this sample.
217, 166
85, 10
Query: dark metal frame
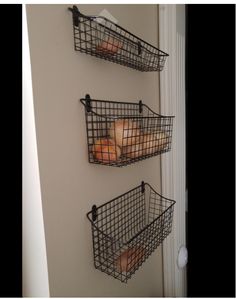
100, 37
142, 133
127, 229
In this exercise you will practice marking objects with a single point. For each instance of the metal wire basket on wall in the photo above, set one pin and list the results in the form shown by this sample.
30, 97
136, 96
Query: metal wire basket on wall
127, 230
100, 37
122, 133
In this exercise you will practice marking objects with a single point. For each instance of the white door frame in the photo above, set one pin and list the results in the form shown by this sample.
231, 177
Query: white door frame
172, 96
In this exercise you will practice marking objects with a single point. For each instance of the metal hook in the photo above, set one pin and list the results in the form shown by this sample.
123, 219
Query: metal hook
140, 106
76, 14
88, 103
94, 212
142, 187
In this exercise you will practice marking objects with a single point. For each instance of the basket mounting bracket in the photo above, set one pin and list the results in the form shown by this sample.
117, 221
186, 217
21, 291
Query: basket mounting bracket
88, 103
142, 187
94, 213
140, 106
76, 14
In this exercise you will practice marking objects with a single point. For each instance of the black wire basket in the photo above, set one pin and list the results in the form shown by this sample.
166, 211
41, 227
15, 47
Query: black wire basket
122, 133
100, 37
127, 230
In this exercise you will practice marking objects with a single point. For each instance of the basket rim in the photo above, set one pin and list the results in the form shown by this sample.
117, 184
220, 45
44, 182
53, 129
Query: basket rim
83, 101
143, 229
92, 17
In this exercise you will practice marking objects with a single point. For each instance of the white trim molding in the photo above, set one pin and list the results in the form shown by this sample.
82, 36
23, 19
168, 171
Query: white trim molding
172, 96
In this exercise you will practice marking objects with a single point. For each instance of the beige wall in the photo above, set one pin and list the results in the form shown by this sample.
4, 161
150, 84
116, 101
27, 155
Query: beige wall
35, 269
70, 185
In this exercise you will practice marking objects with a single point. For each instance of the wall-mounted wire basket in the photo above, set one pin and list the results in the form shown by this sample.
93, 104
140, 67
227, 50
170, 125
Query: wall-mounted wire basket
100, 37
122, 133
127, 230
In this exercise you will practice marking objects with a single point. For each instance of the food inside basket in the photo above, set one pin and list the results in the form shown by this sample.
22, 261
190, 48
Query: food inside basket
125, 132
127, 140
154, 142
133, 151
129, 259
109, 46
106, 150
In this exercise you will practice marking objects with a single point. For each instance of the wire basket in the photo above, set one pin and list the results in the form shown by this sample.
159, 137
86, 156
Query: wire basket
122, 133
127, 230
100, 37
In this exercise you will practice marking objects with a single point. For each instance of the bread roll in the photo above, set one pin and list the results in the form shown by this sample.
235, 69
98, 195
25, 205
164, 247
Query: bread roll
154, 142
124, 132
129, 259
105, 150
133, 151
109, 46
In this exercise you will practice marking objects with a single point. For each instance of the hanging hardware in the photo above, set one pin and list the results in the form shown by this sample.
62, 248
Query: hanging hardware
88, 103
75, 15
94, 212
140, 106
142, 187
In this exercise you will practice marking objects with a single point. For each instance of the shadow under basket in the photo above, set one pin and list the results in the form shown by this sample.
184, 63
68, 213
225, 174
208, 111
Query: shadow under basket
100, 37
122, 133
127, 230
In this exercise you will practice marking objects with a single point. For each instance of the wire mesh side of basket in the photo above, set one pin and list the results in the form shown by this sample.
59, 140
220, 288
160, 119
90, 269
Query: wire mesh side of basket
100, 37
128, 229
121, 133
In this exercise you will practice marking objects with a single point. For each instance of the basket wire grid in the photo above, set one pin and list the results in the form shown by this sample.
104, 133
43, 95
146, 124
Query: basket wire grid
100, 37
128, 229
122, 133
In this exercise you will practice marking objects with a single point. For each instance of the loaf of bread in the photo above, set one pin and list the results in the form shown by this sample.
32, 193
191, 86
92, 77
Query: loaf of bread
125, 132
133, 151
153, 143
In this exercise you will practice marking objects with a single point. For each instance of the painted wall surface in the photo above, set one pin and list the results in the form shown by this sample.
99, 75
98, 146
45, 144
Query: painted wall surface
35, 269
70, 185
